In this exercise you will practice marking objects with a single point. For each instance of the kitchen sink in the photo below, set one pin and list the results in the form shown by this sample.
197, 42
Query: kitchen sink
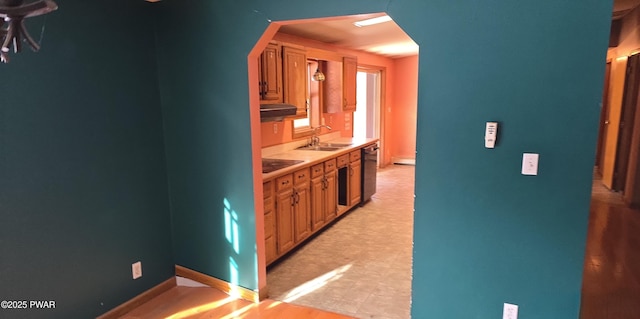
319, 148
273, 164
324, 147
339, 145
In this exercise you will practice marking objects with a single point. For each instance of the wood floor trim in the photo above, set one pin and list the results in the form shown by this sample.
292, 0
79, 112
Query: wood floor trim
139, 300
222, 285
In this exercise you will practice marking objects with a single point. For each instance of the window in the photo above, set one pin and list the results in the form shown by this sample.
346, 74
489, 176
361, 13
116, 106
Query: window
302, 127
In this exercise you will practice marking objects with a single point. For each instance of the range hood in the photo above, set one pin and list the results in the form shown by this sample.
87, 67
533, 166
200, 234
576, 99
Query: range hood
276, 112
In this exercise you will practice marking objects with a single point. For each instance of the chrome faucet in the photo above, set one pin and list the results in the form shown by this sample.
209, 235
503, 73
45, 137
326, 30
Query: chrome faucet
315, 140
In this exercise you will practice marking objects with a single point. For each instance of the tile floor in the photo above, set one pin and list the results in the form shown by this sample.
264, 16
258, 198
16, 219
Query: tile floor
361, 265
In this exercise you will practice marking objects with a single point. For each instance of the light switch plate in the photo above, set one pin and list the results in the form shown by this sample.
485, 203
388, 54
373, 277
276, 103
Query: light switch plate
510, 311
136, 270
530, 163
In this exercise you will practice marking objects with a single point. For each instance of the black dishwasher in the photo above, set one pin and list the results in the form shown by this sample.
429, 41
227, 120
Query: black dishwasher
369, 170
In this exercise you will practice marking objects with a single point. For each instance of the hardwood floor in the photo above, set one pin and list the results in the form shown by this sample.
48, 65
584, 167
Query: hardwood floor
611, 278
206, 302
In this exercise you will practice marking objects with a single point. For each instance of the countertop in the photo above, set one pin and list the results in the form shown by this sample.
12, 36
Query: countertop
311, 157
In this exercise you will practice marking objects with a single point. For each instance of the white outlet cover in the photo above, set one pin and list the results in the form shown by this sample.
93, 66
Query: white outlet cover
136, 270
510, 311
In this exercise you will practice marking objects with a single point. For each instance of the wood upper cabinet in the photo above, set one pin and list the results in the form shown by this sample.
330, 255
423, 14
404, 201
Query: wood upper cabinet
350, 73
332, 88
270, 74
294, 65
339, 88
269, 222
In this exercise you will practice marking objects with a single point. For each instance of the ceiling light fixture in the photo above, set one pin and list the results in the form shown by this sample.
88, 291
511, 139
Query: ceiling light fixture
318, 76
372, 21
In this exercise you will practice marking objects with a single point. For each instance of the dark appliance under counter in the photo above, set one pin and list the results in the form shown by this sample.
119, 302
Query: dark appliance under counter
369, 172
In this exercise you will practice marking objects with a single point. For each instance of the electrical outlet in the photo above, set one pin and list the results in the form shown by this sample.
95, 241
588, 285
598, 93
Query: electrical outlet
136, 270
510, 311
275, 128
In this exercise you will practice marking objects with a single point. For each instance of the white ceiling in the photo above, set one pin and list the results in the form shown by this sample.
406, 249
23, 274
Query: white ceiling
386, 39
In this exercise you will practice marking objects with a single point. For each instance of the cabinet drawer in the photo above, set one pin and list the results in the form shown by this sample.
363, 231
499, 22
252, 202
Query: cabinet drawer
343, 160
317, 170
267, 189
301, 176
330, 165
355, 155
284, 182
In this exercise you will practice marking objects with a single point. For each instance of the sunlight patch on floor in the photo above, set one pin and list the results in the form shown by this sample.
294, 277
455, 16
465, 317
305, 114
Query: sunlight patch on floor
316, 283
201, 308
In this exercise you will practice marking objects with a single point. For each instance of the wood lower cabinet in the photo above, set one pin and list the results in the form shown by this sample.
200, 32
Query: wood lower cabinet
269, 221
317, 196
284, 214
355, 177
324, 194
330, 191
299, 204
292, 213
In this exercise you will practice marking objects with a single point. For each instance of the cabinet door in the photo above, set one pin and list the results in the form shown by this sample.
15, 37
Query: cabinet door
317, 202
331, 196
270, 69
332, 87
355, 180
302, 211
295, 78
350, 73
269, 223
284, 220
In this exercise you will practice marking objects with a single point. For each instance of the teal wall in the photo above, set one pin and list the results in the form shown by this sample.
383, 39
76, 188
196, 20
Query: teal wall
83, 183
484, 234
83, 190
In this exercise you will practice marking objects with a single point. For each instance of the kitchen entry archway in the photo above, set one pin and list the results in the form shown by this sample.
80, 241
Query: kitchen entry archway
345, 120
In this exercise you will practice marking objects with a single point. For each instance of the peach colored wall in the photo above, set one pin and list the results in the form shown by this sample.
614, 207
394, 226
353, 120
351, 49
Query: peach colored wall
282, 132
402, 135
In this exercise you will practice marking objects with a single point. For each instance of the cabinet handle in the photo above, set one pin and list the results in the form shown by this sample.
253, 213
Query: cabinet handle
293, 198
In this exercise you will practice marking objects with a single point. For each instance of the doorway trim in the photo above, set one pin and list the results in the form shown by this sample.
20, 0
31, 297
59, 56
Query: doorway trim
382, 143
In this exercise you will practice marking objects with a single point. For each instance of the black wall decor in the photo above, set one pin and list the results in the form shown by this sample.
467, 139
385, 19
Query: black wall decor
13, 30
